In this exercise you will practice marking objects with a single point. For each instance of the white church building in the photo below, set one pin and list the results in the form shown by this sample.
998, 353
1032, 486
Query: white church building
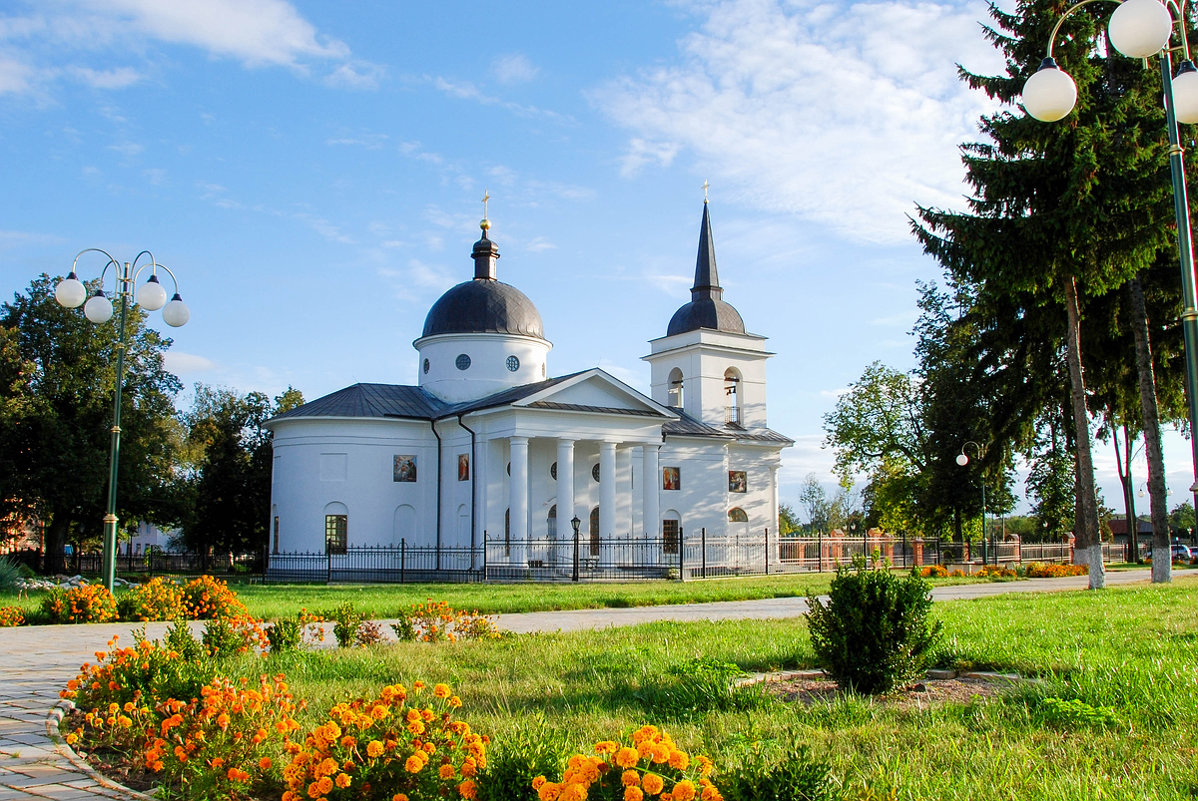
487, 460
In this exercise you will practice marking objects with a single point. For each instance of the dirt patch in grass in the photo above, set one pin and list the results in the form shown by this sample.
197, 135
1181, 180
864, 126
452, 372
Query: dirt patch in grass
923, 694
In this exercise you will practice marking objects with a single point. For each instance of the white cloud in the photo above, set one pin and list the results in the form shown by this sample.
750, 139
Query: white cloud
513, 68
117, 78
179, 362
468, 91
16, 77
845, 115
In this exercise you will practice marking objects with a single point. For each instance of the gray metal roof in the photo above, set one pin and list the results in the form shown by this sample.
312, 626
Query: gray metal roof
687, 426
372, 400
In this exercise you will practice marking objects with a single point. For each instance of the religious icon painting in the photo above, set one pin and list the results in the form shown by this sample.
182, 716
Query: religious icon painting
463, 467
737, 481
671, 478
405, 469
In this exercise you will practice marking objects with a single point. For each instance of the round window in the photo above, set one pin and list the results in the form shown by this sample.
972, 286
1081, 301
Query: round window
426, 366
513, 363
553, 470
462, 362
595, 472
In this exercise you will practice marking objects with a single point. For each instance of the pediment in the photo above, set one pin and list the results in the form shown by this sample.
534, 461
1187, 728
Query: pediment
595, 390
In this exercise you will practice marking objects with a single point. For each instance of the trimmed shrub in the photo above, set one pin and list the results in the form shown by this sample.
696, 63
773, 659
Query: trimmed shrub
87, 603
873, 634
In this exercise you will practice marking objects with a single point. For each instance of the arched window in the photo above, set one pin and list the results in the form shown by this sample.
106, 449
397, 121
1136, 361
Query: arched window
551, 522
732, 415
403, 524
336, 528
737, 515
674, 392
595, 531
671, 531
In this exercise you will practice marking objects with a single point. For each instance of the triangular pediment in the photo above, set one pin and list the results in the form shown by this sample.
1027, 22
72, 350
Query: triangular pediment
595, 390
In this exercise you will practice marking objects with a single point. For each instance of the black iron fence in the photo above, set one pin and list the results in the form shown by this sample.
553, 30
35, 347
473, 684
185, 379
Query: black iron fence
691, 555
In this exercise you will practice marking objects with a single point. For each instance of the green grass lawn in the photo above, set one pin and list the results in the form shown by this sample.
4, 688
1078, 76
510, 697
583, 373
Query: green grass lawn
1125, 659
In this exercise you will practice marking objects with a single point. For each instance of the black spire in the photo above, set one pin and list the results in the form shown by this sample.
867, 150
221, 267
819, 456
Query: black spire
707, 280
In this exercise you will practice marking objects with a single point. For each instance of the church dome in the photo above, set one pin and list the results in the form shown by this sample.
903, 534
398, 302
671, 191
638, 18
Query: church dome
707, 308
706, 313
484, 304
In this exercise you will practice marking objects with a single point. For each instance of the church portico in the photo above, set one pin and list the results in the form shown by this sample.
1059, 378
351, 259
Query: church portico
485, 461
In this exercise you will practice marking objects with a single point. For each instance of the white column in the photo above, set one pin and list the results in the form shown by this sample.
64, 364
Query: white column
774, 526
607, 490
565, 488
518, 498
651, 486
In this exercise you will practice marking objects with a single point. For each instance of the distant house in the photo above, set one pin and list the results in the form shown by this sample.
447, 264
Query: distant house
1118, 526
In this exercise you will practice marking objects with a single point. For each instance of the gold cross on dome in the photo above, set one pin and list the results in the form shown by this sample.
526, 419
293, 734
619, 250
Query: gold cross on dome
486, 197
705, 185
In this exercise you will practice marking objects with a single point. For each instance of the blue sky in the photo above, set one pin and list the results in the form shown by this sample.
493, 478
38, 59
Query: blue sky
313, 173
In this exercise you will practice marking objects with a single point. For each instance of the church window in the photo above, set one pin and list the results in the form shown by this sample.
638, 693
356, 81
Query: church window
336, 534
670, 530
513, 363
276, 533
732, 411
426, 366
737, 515
553, 470
674, 395
462, 362
594, 521
595, 472
542, 371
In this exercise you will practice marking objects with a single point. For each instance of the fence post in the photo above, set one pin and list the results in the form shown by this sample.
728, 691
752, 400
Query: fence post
403, 560
485, 575
575, 550
819, 544
767, 551
703, 546
681, 554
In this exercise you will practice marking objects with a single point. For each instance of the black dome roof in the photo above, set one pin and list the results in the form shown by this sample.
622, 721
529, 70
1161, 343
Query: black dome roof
706, 313
707, 308
486, 304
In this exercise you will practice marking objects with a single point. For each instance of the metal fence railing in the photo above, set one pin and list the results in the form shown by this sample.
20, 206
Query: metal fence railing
690, 555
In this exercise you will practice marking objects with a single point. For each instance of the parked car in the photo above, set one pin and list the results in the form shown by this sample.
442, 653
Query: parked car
1181, 553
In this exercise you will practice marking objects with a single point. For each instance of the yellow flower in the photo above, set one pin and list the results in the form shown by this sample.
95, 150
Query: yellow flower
343, 781
442, 691
413, 764
633, 794
374, 749
684, 790
630, 778
446, 771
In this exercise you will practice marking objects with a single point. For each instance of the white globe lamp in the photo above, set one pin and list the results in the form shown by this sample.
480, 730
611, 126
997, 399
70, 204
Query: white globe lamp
70, 292
151, 296
1050, 93
1185, 93
962, 459
98, 308
176, 312
1140, 28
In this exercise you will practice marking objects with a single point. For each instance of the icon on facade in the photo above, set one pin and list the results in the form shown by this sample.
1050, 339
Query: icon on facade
671, 478
737, 481
463, 467
405, 469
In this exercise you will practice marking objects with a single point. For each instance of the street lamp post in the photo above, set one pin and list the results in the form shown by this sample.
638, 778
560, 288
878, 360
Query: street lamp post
963, 460
1142, 29
574, 524
151, 296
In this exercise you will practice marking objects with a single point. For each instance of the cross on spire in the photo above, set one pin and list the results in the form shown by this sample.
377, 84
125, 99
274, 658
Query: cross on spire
705, 185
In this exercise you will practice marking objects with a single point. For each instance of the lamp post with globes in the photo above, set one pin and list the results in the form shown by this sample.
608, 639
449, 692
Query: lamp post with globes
151, 296
1142, 29
963, 460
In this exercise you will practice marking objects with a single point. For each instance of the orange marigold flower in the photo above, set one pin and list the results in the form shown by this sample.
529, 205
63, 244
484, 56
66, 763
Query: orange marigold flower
342, 780
399, 797
374, 749
468, 790
446, 771
413, 764
630, 778
633, 794
264, 763
653, 783
627, 757
442, 691
679, 760
684, 790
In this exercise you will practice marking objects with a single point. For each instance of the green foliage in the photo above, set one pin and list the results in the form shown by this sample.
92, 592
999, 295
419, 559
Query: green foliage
775, 770
405, 630
180, 639
10, 573
529, 749
285, 635
346, 620
1069, 714
873, 634
699, 686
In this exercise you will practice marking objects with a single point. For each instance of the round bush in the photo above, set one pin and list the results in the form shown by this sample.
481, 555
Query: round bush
873, 634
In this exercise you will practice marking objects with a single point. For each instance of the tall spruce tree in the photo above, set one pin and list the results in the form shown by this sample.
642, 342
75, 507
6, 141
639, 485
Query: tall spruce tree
1060, 212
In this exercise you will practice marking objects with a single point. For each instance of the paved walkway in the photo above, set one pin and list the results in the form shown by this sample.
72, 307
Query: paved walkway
37, 661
